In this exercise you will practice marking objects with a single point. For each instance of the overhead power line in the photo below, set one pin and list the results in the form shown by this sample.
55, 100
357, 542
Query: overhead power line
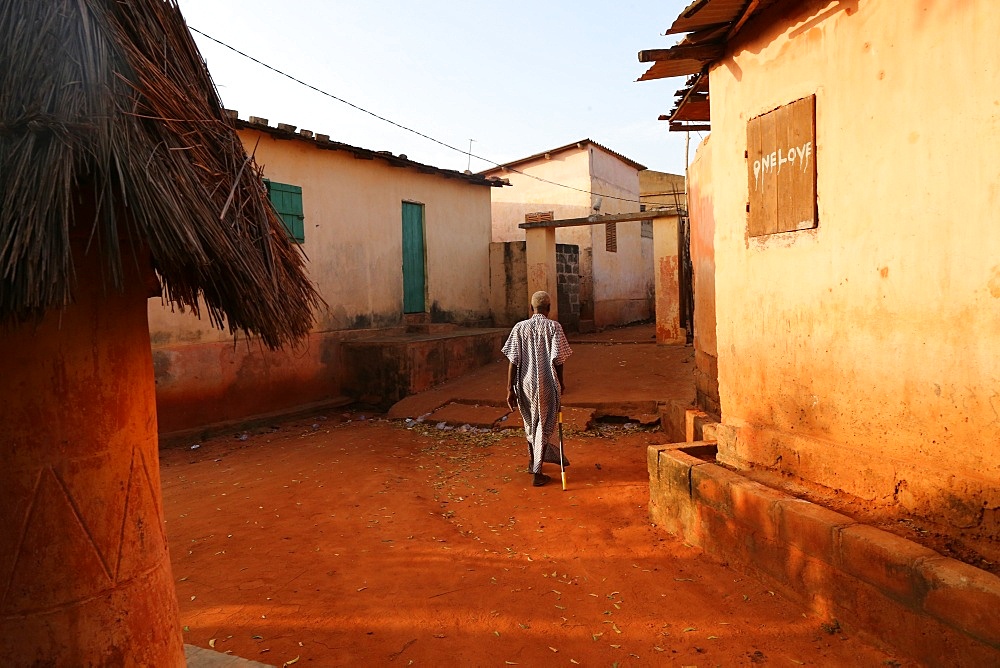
403, 127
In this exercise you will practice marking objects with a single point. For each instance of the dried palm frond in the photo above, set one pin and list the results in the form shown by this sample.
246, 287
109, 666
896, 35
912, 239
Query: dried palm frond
111, 99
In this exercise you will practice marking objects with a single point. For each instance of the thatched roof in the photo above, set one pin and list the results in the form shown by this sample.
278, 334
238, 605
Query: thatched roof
111, 99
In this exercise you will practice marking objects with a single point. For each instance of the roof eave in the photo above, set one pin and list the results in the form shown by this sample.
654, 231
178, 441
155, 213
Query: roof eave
323, 142
710, 25
508, 166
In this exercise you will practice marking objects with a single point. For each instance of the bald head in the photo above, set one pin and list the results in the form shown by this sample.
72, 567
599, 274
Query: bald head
541, 302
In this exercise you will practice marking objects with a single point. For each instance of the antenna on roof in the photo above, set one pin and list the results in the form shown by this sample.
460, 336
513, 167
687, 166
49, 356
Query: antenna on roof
468, 167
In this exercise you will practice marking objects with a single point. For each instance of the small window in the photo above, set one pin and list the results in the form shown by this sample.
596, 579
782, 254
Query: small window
646, 232
287, 201
611, 237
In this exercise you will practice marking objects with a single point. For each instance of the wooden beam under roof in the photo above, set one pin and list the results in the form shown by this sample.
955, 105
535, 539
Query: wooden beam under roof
703, 52
692, 111
649, 214
664, 69
676, 126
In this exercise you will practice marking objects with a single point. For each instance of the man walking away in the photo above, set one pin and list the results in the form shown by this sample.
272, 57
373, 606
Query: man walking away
537, 349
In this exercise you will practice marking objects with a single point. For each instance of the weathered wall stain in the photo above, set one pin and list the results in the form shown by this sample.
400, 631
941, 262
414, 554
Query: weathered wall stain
994, 284
667, 304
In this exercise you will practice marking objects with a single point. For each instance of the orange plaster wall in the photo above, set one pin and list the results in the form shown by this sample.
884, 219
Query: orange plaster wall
703, 262
863, 354
702, 217
668, 326
667, 330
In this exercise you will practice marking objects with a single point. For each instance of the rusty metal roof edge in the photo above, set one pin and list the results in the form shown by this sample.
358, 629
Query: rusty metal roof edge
687, 71
725, 30
703, 35
687, 95
323, 142
735, 9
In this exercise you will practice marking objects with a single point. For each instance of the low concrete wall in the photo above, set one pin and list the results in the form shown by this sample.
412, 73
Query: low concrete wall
200, 384
937, 610
380, 371
685, 423
617, 312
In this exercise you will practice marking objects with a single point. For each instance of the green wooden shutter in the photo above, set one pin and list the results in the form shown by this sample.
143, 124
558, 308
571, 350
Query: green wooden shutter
287, 201
413, 258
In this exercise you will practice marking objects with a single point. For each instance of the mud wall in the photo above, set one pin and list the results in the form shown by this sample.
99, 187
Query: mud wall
353, 242
528, 195
862, 354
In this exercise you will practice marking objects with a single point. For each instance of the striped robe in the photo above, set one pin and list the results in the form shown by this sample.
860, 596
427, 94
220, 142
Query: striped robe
535, 346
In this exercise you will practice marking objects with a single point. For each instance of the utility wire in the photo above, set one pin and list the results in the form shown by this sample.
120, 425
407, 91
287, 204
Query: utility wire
403, 127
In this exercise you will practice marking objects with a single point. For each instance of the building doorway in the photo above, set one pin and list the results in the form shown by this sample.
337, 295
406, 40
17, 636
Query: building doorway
414, 263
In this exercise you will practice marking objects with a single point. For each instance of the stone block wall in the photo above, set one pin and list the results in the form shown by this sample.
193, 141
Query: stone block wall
568, 285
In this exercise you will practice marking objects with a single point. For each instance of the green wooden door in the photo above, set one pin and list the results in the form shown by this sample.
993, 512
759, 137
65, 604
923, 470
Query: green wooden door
414, 272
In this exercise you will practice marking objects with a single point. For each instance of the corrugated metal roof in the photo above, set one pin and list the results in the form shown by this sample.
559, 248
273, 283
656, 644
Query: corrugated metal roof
567, 147
664, 69
692, 105
696, 110
702, 14
711, 24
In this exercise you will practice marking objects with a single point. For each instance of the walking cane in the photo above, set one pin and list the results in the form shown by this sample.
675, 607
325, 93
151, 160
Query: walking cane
562, 468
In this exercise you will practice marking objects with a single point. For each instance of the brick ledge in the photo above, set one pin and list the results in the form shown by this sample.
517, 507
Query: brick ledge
936, 609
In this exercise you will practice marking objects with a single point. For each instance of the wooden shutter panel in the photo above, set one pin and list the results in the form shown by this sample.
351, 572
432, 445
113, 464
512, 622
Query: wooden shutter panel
781, 169
287, 201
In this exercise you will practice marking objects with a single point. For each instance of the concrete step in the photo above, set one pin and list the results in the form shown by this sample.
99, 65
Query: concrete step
416, 318
199, 657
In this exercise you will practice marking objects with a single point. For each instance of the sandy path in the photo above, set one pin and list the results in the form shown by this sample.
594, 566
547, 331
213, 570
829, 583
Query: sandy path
362, 542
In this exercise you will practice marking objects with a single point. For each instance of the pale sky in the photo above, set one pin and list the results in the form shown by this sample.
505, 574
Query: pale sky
518, 77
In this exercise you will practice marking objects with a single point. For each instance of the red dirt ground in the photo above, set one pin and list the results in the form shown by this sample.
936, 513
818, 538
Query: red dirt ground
338, 541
